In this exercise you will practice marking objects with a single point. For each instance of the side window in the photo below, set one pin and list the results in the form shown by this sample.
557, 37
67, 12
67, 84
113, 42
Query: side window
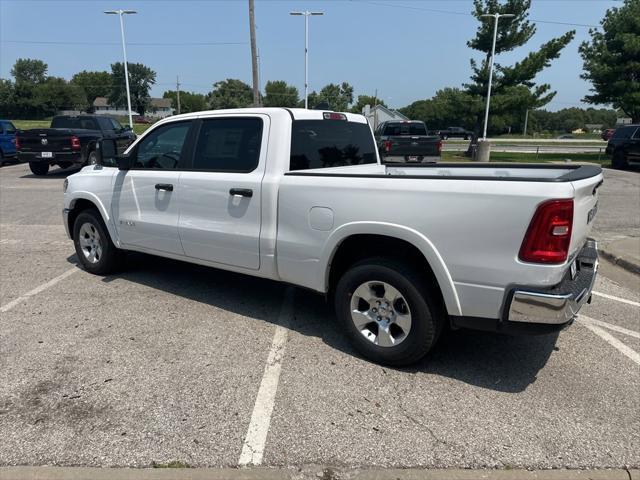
9, 128
162, 148
104, 123
636, 136
115, 124
228, 145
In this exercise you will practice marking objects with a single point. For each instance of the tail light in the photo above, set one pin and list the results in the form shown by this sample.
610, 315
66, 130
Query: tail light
17, 142
387, 145
75, 143
549, 234
439, 147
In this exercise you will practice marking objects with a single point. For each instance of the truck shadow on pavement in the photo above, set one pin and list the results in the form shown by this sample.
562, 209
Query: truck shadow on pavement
496, 362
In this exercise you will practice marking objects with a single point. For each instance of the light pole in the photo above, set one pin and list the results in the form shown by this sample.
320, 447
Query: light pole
497, 17
306, 15
124, 52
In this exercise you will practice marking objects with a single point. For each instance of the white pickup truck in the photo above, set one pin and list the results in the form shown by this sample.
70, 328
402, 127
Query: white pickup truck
300, 196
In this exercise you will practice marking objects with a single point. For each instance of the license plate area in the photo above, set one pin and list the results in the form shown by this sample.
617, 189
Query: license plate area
46, 154
413, 158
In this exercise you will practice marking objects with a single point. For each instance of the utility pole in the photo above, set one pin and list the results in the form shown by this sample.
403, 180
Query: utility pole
526, 119
375, 110
120, 13
178, 92
497, 17
306, 15
254, 55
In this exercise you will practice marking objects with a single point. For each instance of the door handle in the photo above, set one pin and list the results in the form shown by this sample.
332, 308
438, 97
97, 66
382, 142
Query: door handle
164, 186
241, 192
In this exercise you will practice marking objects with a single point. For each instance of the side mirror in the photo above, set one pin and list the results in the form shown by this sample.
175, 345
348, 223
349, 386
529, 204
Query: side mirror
107, 152
127, 128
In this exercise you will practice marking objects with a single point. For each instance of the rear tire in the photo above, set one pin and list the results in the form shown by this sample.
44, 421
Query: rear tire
388, 312
39, 168
619, 161
94, 248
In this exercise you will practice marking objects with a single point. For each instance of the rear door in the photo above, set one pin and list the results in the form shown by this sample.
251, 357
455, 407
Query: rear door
145, 200
220, 203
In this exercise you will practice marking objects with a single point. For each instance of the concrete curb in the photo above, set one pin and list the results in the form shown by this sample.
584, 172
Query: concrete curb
87, 473
619, 260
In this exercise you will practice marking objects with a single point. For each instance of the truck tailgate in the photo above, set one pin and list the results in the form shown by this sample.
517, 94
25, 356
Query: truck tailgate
418, 145
585, 206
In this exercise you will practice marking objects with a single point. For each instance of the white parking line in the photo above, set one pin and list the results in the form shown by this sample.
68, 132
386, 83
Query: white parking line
615, 328
617, 299
614, 342
38, 289
256, 438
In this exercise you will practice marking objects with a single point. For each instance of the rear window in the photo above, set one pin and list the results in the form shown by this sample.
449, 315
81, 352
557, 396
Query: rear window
86, 123
405, 129
624, 132
8, 127
330, 143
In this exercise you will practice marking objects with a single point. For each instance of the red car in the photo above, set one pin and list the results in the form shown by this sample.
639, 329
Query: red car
607, 134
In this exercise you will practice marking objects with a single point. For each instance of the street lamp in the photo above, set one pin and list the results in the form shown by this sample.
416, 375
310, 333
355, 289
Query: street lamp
124, 52
497, 17
306, 15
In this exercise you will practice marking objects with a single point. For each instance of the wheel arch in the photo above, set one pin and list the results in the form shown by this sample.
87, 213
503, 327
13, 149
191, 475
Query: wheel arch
353, 242
84, 201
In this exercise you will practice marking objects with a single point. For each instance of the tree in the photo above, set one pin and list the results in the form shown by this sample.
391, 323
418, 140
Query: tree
364, 100
279, 94
7, 99
189, 101
28, 70
94, 84
448, 107
230, 93
338, 97
56, 94
612, 60
141, 78
514, 87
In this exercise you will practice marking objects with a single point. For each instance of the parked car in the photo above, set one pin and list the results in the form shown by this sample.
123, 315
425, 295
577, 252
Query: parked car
300, 196
607, 134
566, 136
7, 141
455, 132
70, 140
407, 141
624, 146
140, 119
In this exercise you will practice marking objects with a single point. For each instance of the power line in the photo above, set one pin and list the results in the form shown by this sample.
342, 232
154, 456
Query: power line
139, 44
467, 14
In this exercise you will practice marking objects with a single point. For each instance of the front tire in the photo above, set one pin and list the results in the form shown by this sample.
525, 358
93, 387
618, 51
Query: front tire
92, 159
94, 248
39, 168
387, 311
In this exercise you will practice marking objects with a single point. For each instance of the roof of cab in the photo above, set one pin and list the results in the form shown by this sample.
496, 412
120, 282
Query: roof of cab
296, 113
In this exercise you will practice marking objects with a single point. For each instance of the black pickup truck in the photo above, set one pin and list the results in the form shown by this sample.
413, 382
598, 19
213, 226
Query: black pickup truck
455, 132
70, 140
407, 141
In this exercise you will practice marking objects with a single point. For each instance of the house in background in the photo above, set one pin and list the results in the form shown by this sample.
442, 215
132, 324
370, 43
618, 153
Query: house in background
101, 106
378, 114
158, 108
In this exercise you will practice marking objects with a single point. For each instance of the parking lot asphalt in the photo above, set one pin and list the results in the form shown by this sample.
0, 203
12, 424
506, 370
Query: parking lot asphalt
173, 362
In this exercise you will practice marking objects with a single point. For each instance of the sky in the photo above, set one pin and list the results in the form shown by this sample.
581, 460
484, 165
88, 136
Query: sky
406, 49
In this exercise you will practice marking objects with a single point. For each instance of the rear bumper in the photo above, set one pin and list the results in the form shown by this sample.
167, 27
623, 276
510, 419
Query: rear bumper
73, 157
544, 310
561, 303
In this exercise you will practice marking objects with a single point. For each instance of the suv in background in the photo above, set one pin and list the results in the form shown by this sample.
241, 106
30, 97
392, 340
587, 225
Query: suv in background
7, 141
624, 146
453, 132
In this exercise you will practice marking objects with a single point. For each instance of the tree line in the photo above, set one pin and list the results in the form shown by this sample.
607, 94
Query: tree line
611, 63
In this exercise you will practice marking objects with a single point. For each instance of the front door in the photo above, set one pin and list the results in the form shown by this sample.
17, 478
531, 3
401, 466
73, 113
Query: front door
145, 201
220, 204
